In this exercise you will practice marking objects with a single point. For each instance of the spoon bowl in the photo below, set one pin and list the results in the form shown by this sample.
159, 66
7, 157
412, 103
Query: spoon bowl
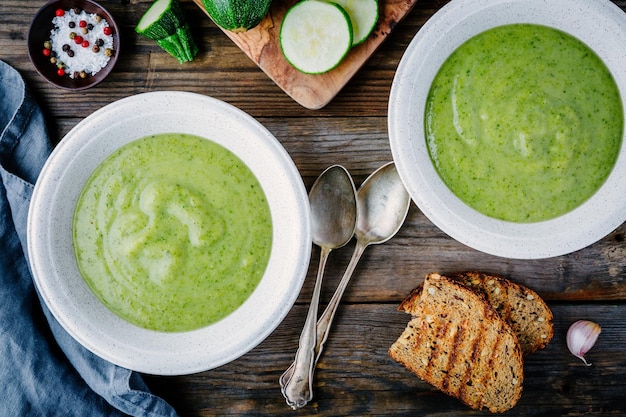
333, 208
382, 206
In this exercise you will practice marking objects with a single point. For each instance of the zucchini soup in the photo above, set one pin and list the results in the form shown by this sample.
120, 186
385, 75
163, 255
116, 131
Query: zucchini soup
172, 232
523, 123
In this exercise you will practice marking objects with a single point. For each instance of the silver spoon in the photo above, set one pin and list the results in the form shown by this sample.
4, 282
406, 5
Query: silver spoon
333, 219
382, 206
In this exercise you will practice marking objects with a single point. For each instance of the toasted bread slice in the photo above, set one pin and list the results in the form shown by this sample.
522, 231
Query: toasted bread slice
458, 343
521, 307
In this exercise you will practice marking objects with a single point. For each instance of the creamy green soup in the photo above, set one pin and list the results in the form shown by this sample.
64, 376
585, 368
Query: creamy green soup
172, 232
524, 123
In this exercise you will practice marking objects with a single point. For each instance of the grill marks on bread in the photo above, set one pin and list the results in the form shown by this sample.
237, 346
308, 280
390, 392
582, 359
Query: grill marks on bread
521, 307
458, 343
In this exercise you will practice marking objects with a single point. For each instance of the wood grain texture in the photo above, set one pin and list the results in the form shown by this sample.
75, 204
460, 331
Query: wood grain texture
262, 45
360, 379
356, 376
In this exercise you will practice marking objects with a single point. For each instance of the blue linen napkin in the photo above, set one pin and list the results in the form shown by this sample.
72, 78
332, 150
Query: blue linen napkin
43, 370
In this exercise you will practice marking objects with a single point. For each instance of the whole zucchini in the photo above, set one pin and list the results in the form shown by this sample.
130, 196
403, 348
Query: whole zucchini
237, 15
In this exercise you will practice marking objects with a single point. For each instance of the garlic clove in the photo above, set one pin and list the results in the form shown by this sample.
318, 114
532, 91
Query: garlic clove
581, 337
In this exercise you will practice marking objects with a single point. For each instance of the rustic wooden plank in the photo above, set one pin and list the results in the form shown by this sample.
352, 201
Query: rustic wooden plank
389, 271
356, 376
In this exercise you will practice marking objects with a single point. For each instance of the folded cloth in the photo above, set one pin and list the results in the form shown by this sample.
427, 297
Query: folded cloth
44, 371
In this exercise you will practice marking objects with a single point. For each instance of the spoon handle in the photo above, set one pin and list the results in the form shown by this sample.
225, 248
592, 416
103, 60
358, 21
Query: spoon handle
324, 322
297, 381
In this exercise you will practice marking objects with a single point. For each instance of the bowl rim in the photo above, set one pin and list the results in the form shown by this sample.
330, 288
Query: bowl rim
599, 24
39, 28
68, 297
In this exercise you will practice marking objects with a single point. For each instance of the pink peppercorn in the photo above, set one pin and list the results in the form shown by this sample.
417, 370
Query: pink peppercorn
59, 12
60, 72
46, 52
78, 39
85, 44
106, 30
82, 24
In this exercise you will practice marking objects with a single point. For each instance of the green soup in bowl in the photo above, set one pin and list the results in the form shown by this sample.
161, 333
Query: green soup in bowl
172, 232
524, 122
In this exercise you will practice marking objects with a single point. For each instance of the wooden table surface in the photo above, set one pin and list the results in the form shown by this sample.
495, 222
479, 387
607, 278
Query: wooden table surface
355, 375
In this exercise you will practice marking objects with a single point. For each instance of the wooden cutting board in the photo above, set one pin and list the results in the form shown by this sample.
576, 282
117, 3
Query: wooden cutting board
262, 46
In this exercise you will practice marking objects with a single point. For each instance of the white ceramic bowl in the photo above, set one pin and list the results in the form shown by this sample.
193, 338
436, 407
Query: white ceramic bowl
50, 233
598, 23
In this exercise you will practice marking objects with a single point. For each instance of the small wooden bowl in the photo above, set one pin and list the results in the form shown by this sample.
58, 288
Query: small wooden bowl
39, 32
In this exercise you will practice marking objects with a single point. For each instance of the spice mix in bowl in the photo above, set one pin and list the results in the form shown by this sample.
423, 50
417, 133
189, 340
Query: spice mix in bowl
73, 44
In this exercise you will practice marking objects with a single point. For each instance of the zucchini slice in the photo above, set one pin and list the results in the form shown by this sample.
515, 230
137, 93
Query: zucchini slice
164, 22
363, 16
315, 36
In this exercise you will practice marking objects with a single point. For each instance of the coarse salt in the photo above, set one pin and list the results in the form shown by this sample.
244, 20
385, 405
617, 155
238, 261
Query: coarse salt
85, 59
